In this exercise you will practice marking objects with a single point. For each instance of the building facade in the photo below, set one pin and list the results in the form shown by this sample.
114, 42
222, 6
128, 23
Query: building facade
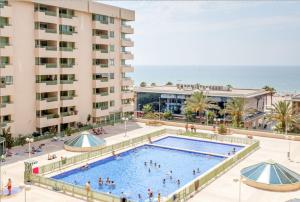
62, 61
173, 98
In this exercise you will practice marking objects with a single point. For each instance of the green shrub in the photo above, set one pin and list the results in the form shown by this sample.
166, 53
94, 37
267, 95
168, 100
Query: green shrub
222, 129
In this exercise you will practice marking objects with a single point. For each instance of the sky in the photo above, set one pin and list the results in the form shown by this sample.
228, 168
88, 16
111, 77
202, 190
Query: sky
215, 32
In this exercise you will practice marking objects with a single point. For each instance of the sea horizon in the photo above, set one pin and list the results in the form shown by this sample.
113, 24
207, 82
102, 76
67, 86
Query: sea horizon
284, 78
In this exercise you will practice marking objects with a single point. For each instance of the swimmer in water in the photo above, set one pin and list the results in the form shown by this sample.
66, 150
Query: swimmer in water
194, 172
149, 170
198, 170
178, 182
164, 181
145, 163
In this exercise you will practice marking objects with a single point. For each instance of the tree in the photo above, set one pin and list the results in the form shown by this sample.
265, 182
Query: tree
282, 114
168, 115
189, 115
229, 86
169, 83
271, 92
143, 84
211, 116
153, 84
236, 108
8, 137
200, 103
147, 108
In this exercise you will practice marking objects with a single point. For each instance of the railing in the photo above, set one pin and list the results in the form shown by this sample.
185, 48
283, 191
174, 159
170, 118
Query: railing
52, 82
66, 81
51, 65
104, 94
66, 48
103, 65
48, 30
63, 15
67, 32
67, 65
51, 99
104, 36
69, 97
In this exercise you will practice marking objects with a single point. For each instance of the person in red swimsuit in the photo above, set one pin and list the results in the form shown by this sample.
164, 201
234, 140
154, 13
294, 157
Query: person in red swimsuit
9, 186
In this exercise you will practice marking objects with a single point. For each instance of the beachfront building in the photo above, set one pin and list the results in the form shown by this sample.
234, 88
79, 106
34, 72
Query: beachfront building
172, 98
62, 61
296, 106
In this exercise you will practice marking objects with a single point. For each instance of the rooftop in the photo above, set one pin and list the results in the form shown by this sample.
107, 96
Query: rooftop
220, 91
296, 98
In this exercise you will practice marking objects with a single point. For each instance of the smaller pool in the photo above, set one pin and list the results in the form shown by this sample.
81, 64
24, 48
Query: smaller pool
197, 145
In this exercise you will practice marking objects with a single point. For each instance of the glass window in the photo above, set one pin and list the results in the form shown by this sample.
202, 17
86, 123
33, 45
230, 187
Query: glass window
111, 48
111, 34
111, 20
111, 75
112, 89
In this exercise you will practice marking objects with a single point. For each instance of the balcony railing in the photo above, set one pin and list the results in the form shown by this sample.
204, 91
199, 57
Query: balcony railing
104, 36
3, 3
66, 65
51, 99
50, 65
103, 79
63, 114
64, 15
66, 48
103, 94
67, 32
2, 65
52, 82
69, 97
67, 81
3, 44
104, 65
48, 30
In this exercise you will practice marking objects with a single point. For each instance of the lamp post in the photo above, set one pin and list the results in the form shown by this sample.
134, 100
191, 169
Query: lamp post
29, 140
159, 108
26, 188
125, 119
239, 180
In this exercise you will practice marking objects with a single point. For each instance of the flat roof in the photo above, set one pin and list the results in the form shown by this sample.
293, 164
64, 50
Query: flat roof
233, 92
296, 98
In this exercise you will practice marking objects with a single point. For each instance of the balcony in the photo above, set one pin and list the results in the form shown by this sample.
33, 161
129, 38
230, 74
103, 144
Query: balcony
48, 120
46, 51
47, 86
5, 9
68, 19
6, 30
4, 124
100, 112
67, 84
46, 34
6, 50
127, 29
127, 107
103, 54
68, 100
46, 16
126, 55
47, 69
68, 117
126, 81
129, 94
101, 39
47, 103
6, 108
127, 68
127, 42
101, 25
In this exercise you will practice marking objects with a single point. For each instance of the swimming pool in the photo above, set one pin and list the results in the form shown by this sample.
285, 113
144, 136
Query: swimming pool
197, 145
132, 177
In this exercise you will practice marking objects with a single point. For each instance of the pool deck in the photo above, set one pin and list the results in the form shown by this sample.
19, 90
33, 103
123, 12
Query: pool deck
223, 189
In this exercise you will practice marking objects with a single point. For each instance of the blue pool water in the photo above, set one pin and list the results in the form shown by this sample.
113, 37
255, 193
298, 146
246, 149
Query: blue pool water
132, 177
197, 145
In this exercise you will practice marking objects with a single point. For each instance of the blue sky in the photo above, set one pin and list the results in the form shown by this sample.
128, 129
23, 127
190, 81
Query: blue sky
215, 33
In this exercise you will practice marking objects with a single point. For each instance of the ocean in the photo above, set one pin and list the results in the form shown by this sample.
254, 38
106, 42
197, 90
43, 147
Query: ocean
283, 78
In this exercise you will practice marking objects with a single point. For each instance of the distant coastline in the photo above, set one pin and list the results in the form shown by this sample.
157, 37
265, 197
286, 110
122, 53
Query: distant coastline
285, 79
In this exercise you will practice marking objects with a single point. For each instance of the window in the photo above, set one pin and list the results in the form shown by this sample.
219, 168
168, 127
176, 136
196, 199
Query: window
111, 75
111, 103
111, 34
111, 20
101, 18
111, 48
111, 62
112, 89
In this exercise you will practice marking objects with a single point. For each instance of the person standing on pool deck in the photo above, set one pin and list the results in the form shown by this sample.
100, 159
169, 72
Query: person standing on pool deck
9, 186
88, 189
158, 197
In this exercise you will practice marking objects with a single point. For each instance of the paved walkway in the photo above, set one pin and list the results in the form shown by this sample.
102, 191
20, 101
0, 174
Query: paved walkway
221, 190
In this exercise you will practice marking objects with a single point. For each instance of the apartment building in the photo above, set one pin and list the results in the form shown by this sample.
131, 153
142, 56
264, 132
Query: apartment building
62, 61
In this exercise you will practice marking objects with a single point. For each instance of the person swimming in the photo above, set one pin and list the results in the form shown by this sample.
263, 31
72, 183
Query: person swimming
194, 172
149, 170
150, 162
198, 170
145, 163
155, 164
164, 181
178, 182
158, 165
100, 182
107, 181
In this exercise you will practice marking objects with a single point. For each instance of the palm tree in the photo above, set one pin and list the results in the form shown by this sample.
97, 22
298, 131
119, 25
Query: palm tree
143, 84
153, 84
283, 115
199, 103
169, 83
236, 108
271, 91
147, 108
